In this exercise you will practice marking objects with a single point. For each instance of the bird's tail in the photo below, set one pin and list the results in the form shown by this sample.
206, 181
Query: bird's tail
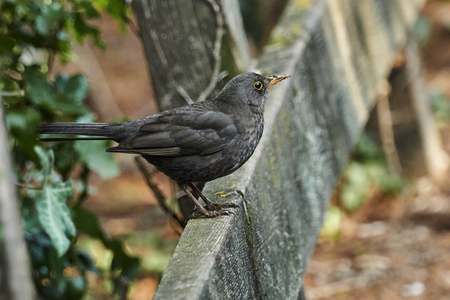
100, 131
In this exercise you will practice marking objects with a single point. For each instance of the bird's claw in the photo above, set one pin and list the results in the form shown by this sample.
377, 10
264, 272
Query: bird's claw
220, 206
213, 211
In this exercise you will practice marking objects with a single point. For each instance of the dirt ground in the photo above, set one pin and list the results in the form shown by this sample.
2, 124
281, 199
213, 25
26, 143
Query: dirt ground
389, 249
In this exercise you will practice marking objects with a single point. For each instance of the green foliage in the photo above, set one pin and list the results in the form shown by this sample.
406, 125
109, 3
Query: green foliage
94, 156
51, 206
32, 35
123, 267
440, 105
422, 30
367, 172
331, 224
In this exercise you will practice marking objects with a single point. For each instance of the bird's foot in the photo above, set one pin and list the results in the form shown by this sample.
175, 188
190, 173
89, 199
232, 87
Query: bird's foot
212, 210
219, 206
206, 213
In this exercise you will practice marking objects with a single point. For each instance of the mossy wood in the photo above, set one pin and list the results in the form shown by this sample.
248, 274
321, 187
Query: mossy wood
338, 53
179, 42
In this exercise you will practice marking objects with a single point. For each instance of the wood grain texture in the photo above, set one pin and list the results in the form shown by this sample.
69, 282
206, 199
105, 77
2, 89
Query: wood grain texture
178, 38
337, 52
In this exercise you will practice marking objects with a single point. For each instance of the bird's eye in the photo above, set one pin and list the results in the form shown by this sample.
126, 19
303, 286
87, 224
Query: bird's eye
258, 85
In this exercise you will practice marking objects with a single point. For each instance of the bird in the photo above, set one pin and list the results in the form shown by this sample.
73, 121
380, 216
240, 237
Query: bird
198, 142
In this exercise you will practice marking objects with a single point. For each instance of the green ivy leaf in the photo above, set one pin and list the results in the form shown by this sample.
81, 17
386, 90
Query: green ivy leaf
66, 158
51, 18
88, 223
84, 29
118, 10
46, 160
94, 155
54, 215
38, 89
70, 92
74, 88
21, 124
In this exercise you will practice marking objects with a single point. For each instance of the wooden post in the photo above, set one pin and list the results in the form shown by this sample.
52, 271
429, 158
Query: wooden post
15, 271
187, 43
437, 161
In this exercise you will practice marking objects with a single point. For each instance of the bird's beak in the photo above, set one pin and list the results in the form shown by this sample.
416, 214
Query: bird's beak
274, 79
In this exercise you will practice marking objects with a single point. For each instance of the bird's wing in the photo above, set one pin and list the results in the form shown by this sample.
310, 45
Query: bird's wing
179, 133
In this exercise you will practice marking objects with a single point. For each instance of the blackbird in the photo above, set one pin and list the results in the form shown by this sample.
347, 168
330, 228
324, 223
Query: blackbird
193, 143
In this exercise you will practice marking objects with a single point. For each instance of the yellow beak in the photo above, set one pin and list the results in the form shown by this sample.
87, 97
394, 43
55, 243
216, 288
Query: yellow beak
274, 79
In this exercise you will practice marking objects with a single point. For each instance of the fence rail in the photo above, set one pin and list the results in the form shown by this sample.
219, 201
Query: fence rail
339, 52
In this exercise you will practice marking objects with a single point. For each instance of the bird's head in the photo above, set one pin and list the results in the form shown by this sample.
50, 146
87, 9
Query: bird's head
249, 89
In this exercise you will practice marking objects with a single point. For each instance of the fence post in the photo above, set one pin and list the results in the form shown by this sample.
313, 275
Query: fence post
187, 43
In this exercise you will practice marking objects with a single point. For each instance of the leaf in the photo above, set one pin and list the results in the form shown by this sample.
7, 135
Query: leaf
65, 154
21, 123
72, 88
8, 85
356, 186
54, 215
37, 242
332, 222
45, 160
70, 92
83, 30
63, 97
88, 223
366, 149
94, 155
38, 89
50, 19
6, 44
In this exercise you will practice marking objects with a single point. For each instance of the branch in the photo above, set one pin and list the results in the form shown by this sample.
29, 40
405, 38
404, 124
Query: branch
215, 76
386, 129
159, 196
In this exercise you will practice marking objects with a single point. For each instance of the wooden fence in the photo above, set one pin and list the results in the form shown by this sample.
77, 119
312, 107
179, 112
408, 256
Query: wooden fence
340, 54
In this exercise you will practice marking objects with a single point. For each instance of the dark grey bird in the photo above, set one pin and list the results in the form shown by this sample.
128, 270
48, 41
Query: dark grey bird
194, 143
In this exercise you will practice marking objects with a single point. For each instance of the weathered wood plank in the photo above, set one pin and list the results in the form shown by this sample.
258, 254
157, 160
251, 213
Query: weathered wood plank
337, 52
179, 42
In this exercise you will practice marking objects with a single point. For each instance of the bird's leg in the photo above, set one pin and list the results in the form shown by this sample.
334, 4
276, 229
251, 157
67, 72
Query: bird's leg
201, 211
209, 204
200, 194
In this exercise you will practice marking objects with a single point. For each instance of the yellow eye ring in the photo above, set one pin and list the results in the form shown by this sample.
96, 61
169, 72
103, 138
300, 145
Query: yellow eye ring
258, 85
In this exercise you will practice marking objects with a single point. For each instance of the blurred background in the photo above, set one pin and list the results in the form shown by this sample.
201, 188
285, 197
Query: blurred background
386, 235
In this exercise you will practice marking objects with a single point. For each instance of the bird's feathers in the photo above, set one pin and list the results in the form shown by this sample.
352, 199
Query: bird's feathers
174, 134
